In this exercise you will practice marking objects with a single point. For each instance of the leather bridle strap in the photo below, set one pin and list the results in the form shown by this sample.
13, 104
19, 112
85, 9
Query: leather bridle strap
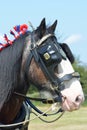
47, 101
68, 77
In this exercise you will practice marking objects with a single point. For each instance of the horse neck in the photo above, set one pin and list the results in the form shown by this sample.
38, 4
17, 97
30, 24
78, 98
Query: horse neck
10, 65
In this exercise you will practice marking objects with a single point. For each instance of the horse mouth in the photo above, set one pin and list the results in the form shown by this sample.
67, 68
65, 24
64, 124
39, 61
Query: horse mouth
69, 106
65, 103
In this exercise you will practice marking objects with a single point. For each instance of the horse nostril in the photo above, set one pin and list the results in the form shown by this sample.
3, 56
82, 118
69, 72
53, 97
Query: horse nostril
79, 99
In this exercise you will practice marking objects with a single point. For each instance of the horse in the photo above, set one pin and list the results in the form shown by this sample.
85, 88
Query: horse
37, 58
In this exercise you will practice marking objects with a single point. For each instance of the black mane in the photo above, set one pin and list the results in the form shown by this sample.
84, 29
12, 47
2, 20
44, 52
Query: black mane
11, 59
10, 65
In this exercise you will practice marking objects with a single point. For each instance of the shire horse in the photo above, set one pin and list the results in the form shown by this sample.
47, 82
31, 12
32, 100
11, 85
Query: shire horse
37, 58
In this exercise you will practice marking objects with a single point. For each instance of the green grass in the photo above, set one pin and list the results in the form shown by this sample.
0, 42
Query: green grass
76, 120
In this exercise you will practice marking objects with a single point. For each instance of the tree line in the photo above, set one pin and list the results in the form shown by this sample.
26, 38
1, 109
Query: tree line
82, 69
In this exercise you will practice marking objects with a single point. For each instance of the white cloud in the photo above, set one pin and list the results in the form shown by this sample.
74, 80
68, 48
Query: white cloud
73, 38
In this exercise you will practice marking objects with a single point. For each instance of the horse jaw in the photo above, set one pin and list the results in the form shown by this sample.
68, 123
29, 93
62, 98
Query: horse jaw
72, 94
46, 94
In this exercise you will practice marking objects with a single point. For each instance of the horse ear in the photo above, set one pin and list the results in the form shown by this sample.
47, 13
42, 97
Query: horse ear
42, 28
42, 24
52, 27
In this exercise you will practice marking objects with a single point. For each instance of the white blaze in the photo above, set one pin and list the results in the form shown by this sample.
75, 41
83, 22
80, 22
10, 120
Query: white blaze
73, 87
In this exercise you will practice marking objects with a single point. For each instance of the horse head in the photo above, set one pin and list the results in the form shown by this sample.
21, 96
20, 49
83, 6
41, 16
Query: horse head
37, 58
50, 68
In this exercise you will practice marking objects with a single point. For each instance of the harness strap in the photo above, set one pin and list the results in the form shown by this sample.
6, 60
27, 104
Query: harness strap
35, 108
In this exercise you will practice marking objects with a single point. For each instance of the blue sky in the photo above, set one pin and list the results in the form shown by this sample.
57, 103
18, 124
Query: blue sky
71, 16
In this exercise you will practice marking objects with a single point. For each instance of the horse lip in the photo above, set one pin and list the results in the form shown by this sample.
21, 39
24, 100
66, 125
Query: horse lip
69, 106
75, 106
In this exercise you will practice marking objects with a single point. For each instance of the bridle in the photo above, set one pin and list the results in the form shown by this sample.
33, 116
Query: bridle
58, 83
48, 70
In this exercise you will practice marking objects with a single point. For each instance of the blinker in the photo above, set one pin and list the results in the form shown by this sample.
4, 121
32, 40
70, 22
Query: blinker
68, 52
50, 54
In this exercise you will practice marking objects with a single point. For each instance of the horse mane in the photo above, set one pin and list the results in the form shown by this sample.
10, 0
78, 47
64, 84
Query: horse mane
11, 59
10, 65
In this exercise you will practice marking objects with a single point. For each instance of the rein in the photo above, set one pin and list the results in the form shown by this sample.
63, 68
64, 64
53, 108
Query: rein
26, 121
46, 101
